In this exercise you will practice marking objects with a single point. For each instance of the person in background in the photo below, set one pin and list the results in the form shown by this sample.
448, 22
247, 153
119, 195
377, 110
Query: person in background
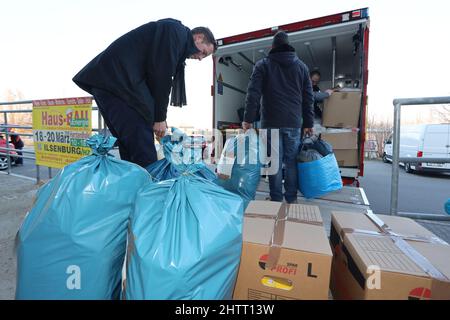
18, 144
282, 81
319, 96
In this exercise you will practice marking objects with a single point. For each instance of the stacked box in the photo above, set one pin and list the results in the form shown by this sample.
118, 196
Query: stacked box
385, 257
345, 147
342, 112
286, 254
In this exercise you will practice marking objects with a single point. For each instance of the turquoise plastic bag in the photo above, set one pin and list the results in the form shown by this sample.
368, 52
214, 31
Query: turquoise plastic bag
447, 206
319, 177
72, 243
179, 148
242, 154
186, 240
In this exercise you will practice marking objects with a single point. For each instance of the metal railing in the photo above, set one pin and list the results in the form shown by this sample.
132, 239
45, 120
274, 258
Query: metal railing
398, 103
6, 151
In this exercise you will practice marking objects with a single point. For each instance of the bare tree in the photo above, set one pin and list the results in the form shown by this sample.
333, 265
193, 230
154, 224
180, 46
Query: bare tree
22, 119
379, 130
443, 113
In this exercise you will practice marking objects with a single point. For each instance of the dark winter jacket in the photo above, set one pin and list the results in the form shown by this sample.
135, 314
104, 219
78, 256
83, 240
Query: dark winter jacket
139, 66
319, 97
282, 81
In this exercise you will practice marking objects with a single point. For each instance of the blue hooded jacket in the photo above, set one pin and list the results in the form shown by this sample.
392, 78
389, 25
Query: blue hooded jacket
282, 81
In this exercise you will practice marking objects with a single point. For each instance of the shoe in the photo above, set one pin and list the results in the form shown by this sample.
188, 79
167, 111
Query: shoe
293, 202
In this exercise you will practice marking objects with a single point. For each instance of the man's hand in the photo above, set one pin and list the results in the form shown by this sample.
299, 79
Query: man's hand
329, 91
308, 132
246, 126
159, 128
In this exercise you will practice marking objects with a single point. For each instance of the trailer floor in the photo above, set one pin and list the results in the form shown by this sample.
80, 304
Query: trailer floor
349, 199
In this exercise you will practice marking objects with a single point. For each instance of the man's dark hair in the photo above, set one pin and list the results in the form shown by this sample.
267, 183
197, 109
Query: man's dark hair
314, 72
209, 37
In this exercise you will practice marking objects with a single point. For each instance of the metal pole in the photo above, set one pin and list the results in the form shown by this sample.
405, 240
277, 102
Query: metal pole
395, 160
8, 103
49, 172
38, 176
99, 120
425, 216
333, 70
8, 156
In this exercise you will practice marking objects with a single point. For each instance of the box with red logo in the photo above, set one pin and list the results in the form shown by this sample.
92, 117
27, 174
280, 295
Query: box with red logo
386, 257
286, 254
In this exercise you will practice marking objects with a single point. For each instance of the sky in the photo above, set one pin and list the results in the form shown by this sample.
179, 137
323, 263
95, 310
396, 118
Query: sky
45, 43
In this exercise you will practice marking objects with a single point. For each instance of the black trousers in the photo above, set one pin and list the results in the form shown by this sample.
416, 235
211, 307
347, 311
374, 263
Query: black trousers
134, 135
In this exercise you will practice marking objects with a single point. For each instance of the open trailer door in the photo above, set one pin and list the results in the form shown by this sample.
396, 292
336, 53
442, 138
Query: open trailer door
337, 45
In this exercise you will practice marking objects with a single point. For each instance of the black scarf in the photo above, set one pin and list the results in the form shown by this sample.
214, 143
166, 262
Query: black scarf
178, 93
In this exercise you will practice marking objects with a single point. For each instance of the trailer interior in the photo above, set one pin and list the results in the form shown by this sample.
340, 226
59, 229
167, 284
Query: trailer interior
336, 51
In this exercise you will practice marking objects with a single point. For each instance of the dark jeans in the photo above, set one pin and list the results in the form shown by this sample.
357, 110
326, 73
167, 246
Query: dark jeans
289, 143
19, 160
134, 135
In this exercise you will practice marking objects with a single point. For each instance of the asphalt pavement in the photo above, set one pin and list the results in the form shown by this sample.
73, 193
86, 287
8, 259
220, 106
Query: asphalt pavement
418, 192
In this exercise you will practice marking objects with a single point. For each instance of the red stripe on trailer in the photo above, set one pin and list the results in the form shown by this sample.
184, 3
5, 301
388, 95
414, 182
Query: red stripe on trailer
292, 27
356, 14
348, 181
213, 91
364, 102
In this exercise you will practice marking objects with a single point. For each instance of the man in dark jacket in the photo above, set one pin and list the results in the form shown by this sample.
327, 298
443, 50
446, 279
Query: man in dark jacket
282, 81
132, 79
319, 96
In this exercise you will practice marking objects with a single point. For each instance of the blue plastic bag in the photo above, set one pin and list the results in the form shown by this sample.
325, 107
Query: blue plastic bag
185, 242
72, 243
162, 170
179, 148
447, 206
317, 178
242, 154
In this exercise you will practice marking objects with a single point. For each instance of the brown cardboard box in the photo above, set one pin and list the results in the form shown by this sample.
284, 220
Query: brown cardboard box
346, 158
341, 110
345, 147
360, 246
298, 269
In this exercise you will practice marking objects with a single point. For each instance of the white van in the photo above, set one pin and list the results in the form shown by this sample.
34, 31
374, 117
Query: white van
428, 141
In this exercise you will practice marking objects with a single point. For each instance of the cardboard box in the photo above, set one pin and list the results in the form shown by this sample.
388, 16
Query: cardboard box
342, 109
385, 257
347, 158
285, 254
345, 147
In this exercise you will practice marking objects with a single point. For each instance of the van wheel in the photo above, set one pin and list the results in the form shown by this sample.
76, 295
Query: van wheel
385, 159
408, 168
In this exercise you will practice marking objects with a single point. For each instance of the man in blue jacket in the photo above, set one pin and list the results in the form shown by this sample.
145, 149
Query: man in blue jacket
282, 81
319, 96
132, 79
